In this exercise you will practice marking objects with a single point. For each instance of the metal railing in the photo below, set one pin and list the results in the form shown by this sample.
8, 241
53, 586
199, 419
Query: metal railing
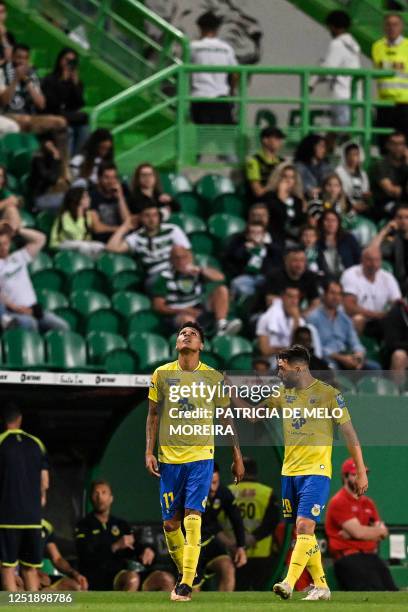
241, 138
125, 34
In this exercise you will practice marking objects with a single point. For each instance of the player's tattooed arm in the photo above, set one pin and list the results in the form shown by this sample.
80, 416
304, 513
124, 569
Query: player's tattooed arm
152, 424
354, 448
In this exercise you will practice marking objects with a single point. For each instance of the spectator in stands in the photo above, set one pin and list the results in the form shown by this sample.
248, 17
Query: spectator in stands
276, 326
146, 190
260, 365
17, 295
390, 177
391, 53
295, 274
259, 167
214, 557
212, 51
98, 148
9, 202
260, 511
108, 202
311, 162
179, 294
22, 98
285, 202
248, 254
337, 249
396, 339
343, 52
75, 224
64, 96
24, 483
49, 176
393, 241
332, 198
7, 40
151, 243
68, 578
107, 550
354, 178
369, 292
258, 213
303, 336
308, 239
354, 530
341, 346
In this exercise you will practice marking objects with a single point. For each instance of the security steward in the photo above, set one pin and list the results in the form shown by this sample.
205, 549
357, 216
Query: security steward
23, 482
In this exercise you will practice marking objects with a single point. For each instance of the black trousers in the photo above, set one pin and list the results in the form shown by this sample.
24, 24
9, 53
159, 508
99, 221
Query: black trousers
212, 113
363, 572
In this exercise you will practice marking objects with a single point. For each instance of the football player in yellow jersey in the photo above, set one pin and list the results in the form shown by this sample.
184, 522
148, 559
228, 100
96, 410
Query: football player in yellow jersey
185, 466
306, 469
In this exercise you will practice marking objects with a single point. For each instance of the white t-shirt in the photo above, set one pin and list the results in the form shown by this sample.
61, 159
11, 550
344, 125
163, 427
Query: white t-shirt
371, 295
275, 324
15, 283
343, 52
211, 52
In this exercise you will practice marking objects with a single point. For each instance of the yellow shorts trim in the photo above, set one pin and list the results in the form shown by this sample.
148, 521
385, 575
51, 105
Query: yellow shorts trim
215, 559
37, 565
9, 564
20, 526
55, 584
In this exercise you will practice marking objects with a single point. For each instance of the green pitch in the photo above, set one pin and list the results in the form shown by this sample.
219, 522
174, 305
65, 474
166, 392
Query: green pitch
226, 602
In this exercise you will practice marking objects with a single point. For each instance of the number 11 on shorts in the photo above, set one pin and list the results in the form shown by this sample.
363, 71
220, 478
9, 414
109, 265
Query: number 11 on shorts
168, 499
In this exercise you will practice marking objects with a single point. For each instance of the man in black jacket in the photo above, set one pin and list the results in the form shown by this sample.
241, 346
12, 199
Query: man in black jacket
214, 557
108, 554
396, 339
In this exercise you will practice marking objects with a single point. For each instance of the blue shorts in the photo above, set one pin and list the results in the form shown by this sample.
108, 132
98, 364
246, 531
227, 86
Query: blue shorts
304, 496
184, 485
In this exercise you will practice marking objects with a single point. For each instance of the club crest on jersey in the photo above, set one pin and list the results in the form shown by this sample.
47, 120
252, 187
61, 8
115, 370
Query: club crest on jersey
316, 510
298, 423
115, 531
290, 398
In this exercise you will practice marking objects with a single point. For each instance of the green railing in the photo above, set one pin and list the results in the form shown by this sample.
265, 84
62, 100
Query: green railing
124, 33
184, 141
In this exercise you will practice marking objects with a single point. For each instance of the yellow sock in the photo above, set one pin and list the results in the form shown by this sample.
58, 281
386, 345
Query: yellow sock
315, 567
175, 545
192, 547
304, 549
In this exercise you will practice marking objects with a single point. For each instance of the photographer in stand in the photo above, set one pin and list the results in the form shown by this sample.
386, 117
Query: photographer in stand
64, 95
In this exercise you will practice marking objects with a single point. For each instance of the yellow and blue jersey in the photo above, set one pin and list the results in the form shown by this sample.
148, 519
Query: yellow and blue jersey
193, 409
309, 439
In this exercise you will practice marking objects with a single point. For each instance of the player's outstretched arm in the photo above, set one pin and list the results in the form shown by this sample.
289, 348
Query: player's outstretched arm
354, 448
152, 424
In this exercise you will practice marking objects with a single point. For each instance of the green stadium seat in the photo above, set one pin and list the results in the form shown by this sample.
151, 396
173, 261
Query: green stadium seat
229, 203
222, 225
372, 346
66, 350
44, 221
144, 321
24, 185
240, 363
127, 280
50, 300
189, 204
129, 302
42, 262
71, 262
203, 260
202, 242
377, 385
344, 384
189, 223
211, 359
211, 186
12, 182
99, 343
19, 141
71, 316
89, 279
20, 163
174, 184
151, 349
27, 219
23, 349
86, 301
104, 319
227, 347
362, 229
49, 279
114, 263
121, 361
387, 266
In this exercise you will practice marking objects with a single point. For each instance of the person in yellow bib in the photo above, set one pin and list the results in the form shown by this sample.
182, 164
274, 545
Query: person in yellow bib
391, 53
310, 409
183, 398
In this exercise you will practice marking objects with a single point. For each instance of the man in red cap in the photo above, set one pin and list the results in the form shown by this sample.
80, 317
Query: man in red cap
354, 528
